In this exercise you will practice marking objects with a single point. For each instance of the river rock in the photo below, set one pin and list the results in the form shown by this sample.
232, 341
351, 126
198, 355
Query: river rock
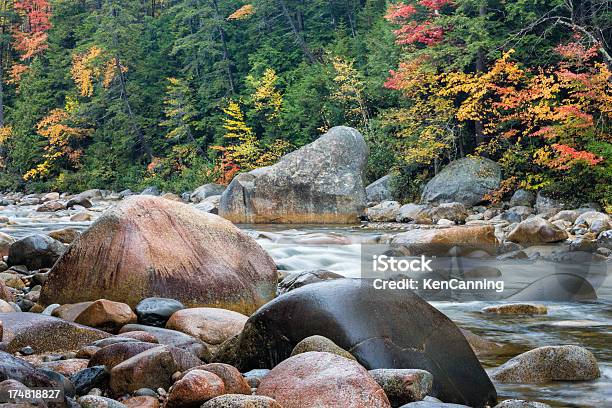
536, 230
70, 311
517, 309
465, 181
144, 401
254, 377
89, 378
241, 401
595, 221
380, 190
432, 404
212, 326
205, 191
35, 252
317, 379
322, 344
233, 381
195, 388
115, 354
106, 315
13, 368
517, 214
386, 211
417, 213
422, 339
45, 333
151, 369
523, 197
156, 311
558, 287
172, 338
94, 401
550, 363
604, 239
565, 215
455, 212
141, 335
547, 206
5, 307
79, 200
51, 206
65, 235
148, 246
66, 367
209, 204
403, 386
5, 243
440, 241
81, 216
514, 403
320, 183
297, 280
150, 191
5, 292
482, 346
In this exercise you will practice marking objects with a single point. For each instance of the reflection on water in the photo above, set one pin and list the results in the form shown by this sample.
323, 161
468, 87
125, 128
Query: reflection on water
301, 248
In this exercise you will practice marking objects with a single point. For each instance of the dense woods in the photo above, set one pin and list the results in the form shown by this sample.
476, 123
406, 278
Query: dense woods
125, 94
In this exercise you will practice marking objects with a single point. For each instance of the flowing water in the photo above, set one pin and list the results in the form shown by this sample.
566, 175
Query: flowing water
338, 249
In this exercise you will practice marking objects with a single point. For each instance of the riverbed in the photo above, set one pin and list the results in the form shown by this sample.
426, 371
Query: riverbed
339, 249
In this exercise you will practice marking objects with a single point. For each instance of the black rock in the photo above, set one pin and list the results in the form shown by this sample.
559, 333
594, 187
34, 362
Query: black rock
297, 280
145, 392
92, 377
35, 252
79, 200
156, 311
381, 328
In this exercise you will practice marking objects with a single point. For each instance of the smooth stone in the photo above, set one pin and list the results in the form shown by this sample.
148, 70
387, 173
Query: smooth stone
114, 354
432, 404
45, 333
70, 311
403, 385
81, 216
549, 363
35, 252
66, 367
5, 243
254, 377
144, 401
387, 211
212, 326
441, 241
5, 292
205, 191
151, 369
65, 235
172, 338
241, 401
90, 378
106, 315
316, 379
416, 213
51, 206
92, 401
514, 403
380, 190
148, 246
454, 212
5, 307
522, 197
194, 388
482, 346
297, 280
141, 336
517, 309
536, 230
13, 368
322, 344
233, 381
156, 311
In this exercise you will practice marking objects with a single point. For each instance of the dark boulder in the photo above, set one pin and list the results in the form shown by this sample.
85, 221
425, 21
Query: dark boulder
352, 313
156, 311
36, 252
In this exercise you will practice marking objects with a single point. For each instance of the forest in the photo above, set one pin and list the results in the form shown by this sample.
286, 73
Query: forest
177, 93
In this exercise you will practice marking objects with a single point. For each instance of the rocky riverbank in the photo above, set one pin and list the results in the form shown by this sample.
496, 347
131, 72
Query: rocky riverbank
150, 299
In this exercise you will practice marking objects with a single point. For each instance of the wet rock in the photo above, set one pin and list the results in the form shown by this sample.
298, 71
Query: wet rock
195, 388
144, 401
440, 241
51, 206
465, 181
297, 280
550, 363
114, 354
320, 183
13, 368
212, 326
454, 212
141, 336
403, 385
172, 338
93, 401
536, 230
522, 197
45, 333
241, 401
386, 211
422, 339
106, 315
89, 378
205, 191
233, 381
595, 221
558, 287
151, 369
514, 403
36, 252
482, 346
66, 367
380, 190
155, 247
156, 311
416, 213
65, 235
517, 309
322, 344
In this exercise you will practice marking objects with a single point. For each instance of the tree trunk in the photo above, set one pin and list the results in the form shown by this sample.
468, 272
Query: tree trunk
480, 67
226, 59
298, 36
